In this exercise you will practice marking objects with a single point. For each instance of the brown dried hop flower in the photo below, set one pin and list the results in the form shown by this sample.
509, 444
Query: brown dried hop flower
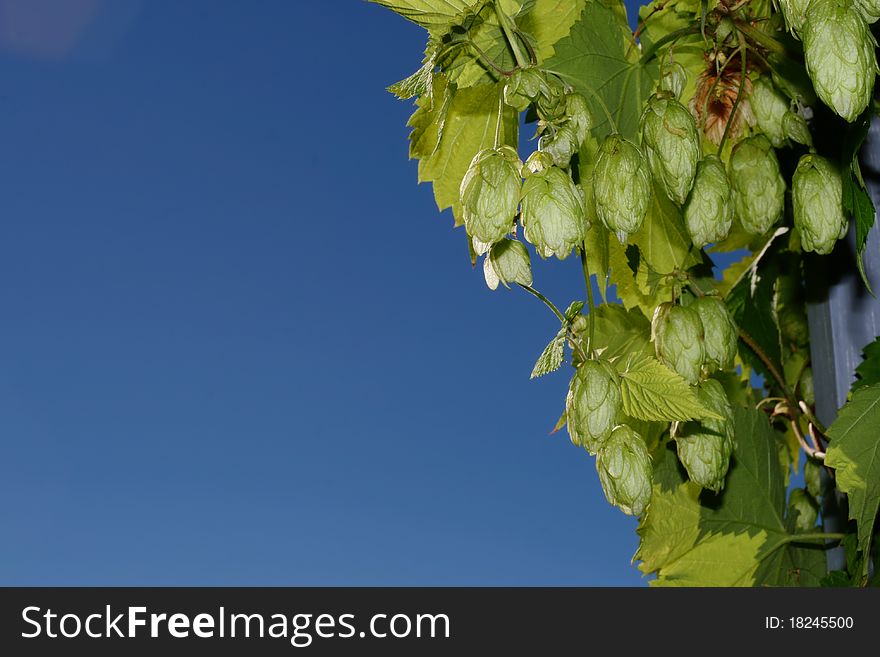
715, 97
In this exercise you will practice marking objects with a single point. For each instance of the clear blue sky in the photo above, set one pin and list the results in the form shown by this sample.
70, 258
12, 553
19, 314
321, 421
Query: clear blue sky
239, 344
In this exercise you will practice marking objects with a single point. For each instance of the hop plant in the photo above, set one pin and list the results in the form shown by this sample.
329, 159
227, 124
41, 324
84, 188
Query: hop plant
708, 213
621, 185
507, 262
720, 331
553, 215
592, 404
802, 510
672, 144
679, 340
624, 467
704, 447
757, 184
523, 87
490, 193
839, 54
769, 107
817, 202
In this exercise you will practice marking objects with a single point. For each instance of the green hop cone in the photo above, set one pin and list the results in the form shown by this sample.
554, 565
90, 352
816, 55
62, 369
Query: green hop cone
679, 340
769, 107
523, 87
507, 262
673, 79
817, 202
592, 404
490, 193
708, 212
579, 116
869, 9
561, 145
791, 311
802, 510
672, 144
551, 103
757, 184
704, 447
624, 467
621, 186
794, 12
720, 331
813, 477
553, 214
808, 393
795, 127
839, 54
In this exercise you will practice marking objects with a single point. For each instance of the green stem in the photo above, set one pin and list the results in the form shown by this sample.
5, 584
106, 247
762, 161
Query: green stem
500, 119
739, 94
817, 537
761, 38
774, 372
589, 284
533, 56
693, 28
482, 55
545, 300
504, 20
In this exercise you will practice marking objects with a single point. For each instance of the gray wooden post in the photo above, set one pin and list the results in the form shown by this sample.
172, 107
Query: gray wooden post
843, 318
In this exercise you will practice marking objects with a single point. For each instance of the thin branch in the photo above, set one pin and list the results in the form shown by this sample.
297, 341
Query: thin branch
751, 344
589, 283
545, 300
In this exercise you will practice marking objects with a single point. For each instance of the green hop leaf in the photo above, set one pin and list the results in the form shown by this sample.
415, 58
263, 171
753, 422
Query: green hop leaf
758, 187
769, 107
869, 9
794, 12
817, 201
507, 262
720, 330
704, 447
708, 213
621, 186
672, 144
794, 127
551, 358
802, 510
553, 214
679, 340
624, 467
490, 193
673, 79
592, 404
524, 87
839, 54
